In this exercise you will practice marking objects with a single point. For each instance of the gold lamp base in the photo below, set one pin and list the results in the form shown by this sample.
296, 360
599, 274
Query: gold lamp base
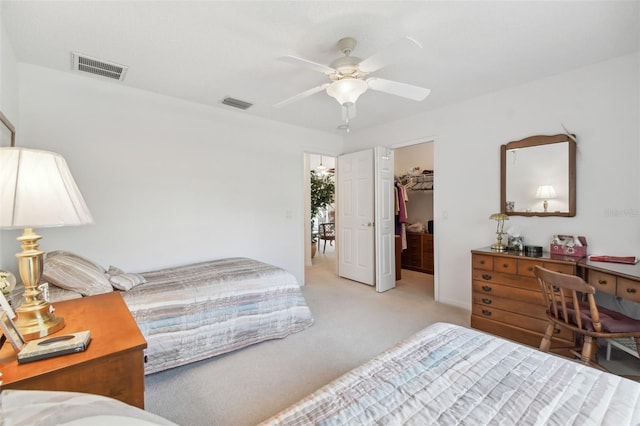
37, 320
498, 247
35, 315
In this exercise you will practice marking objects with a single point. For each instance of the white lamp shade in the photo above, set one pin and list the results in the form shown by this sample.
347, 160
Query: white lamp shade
347, 90
37, 190
545, 192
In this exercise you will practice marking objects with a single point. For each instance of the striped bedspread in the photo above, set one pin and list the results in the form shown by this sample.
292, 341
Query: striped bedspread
450, 375
197, 311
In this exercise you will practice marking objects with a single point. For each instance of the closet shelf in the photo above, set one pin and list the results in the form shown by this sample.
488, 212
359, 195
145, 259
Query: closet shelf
421, 182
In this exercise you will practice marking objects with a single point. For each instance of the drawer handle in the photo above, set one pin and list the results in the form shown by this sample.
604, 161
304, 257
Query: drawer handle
602, 282
482, 262
556, 331
487, 288
556, 289
486, 301
486, 276
486, 312
530, 268
505, 265
631, 290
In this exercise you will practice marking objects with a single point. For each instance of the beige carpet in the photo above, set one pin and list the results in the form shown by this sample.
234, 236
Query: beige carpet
353, 323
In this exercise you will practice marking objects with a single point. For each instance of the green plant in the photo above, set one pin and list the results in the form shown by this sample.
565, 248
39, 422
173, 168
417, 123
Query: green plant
322, 192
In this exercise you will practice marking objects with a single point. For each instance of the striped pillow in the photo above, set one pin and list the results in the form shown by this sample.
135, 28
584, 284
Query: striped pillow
72, 272
122, 280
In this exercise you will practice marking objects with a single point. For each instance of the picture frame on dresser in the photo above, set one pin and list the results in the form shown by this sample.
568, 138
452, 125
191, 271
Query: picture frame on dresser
11, 332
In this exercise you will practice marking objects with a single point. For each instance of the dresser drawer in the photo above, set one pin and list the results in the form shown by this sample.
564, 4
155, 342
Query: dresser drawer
535, 324
508, 292
518, 334
603, 282
507, 266
628, 289
526, 268
558, 267
517, 281
479, 261
521, 307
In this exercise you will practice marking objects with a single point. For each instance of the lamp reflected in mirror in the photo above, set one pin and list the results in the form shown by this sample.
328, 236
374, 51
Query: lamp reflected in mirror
545, 193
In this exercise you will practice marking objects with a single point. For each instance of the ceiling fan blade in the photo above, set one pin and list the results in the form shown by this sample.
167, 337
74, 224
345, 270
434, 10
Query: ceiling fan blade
307, 64
302, 95
401, 49
399, 89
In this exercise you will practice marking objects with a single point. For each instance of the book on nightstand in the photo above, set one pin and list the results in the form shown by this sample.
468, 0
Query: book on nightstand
54, 346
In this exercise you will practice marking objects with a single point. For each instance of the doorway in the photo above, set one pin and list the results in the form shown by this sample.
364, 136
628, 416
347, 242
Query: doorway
314, 160
415, 175
322, 208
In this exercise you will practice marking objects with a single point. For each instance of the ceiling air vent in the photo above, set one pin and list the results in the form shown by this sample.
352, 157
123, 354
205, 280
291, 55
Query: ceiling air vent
98, 66
236, 103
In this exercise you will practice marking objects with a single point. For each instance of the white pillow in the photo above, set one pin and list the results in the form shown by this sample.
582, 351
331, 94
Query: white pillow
73, 272
122, 280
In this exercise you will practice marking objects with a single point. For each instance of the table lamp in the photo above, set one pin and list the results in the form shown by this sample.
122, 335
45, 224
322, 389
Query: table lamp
37, 190
500, 218
545, 192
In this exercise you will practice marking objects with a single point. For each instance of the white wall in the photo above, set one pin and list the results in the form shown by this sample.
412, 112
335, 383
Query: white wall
168, 181
9, 107
600, 103
8, 77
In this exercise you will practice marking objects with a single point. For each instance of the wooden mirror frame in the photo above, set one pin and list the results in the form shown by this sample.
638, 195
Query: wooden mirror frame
537, 141
7, 124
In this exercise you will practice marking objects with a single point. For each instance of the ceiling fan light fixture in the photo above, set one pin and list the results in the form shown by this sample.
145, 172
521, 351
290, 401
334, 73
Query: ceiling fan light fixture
347, 90
321, 169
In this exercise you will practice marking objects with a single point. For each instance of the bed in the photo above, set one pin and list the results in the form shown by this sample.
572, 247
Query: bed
35, 408
450, 375
191, 312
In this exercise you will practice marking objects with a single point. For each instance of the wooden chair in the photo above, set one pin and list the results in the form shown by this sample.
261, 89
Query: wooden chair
571, 304
327, 233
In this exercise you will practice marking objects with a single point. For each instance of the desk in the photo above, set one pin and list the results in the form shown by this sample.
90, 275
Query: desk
111, 366
614, 279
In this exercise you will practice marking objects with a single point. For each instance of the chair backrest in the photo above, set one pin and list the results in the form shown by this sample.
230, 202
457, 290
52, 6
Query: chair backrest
328, 229
563, 295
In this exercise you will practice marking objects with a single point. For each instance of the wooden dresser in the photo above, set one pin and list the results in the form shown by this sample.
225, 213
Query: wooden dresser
506, 298
419, 253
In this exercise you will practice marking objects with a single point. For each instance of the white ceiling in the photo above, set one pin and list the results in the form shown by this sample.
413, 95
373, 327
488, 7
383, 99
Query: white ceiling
205, 50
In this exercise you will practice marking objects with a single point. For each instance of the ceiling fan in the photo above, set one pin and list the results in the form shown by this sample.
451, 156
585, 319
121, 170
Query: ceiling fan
348, 74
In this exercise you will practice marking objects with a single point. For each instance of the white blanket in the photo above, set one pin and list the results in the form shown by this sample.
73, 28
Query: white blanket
450, 375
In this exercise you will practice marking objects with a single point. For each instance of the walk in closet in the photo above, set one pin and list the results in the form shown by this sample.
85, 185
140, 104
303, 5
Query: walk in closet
415, 183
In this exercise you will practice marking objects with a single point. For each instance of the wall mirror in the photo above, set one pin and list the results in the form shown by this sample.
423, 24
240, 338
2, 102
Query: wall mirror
538, 176
7, 132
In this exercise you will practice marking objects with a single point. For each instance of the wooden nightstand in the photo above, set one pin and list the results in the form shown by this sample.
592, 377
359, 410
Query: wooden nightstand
113, 365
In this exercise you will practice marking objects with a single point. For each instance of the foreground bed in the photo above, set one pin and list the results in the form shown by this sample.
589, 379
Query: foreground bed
446, 375
192, 312
34, 408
